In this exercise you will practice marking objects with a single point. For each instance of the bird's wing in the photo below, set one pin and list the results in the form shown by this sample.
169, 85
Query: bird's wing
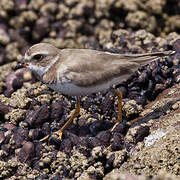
89, 67
85, 67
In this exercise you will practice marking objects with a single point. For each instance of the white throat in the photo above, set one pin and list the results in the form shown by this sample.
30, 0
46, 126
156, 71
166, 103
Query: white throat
42, 70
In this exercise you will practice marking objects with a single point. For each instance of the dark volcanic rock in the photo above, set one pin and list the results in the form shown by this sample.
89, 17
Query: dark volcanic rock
20, 136
2, 137
104, 137
4, 109
13, 82
118, 142
56, 110
9, 126
121, 128
36, 118
142, 132
35, 134
26, 153
176, 45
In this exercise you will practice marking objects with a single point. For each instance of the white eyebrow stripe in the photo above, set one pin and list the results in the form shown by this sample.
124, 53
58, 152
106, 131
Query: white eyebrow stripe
45, 53
42, 52
27, 57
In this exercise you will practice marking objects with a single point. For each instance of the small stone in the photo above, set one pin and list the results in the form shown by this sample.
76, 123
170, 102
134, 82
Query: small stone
44, 98
9, 126
26, 153
20, 136
1, 136
4, 37
104, 137
118, 158
56, 110
35, 134
97, 152
176, 45
19, 99
121, 128
132, 108
94, 142
36, 118
118, 142
176, 105
4, 109
141, 133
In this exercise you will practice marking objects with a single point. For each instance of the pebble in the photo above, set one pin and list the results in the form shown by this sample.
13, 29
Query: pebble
26, 153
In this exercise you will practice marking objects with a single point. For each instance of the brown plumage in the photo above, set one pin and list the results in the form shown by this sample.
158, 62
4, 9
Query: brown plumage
83, 71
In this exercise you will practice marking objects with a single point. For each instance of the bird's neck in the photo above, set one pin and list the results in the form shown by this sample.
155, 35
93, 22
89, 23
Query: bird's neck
41, 70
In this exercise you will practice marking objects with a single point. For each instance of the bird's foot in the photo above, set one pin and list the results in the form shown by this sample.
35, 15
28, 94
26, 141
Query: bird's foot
45, 138
114, 126
59, 133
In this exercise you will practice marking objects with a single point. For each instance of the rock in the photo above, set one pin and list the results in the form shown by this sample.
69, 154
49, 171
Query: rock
56, 110
36, 118
20, 136
26, 153
104, 137
142, 132
176, 45
4, 109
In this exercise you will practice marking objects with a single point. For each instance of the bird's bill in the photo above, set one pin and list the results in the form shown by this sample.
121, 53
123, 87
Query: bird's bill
22, 64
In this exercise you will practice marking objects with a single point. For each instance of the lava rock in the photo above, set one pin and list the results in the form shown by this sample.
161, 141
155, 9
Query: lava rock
118, 142
46, 128
121, 128
35, 134
9, 126
20, 135
4, 109
26, 153
2, 137
176, 45
104, 137
97, 126
56, 110
107, 105
36, 118
94, 142
142, 132
14, 81
66, 146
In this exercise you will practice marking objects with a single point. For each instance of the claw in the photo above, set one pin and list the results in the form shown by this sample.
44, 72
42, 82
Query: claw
59, 133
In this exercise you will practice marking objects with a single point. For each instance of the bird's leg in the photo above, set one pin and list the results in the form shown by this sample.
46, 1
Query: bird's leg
120, 97
75, 113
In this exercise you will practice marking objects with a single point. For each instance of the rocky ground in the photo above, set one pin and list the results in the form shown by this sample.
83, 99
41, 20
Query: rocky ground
145, 146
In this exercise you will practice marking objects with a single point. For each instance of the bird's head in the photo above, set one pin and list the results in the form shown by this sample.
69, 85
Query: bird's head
39, 58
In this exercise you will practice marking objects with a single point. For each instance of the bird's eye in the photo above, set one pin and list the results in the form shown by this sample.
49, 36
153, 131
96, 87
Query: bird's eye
38, 57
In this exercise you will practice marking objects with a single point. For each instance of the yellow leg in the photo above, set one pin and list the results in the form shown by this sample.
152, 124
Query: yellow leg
75, 113
60, 132
120, 97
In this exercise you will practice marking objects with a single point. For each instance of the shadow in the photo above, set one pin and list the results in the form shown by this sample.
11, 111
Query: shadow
154, 115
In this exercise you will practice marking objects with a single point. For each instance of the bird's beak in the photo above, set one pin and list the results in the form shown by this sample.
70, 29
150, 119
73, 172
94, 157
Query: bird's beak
21, 65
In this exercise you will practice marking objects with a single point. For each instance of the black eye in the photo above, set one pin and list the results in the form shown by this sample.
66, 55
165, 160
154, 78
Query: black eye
38, 57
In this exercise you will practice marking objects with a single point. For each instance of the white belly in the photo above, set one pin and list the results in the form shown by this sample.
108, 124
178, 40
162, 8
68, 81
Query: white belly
71, 89
74, 90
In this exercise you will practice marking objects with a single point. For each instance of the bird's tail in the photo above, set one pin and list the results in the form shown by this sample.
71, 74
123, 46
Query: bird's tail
147, 57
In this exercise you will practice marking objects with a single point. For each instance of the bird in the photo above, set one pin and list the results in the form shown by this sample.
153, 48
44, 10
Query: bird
81, 72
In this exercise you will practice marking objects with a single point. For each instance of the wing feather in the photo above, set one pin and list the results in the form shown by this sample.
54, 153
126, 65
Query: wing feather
85, 67
90, 67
